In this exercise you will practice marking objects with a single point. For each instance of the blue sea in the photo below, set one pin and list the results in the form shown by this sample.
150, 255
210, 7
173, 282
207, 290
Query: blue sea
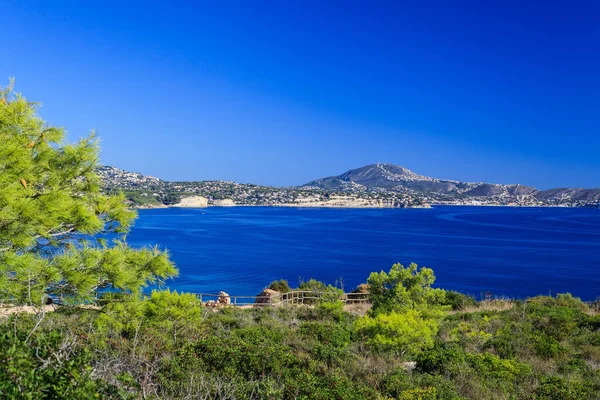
514, 252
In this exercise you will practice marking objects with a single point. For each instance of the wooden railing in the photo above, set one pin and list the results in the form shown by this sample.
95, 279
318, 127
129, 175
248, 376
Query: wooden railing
295, 297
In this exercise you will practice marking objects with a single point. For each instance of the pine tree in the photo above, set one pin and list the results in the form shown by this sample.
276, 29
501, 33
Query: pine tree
53, 212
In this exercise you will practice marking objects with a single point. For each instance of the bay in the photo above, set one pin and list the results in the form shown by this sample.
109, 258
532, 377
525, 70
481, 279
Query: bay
508, 251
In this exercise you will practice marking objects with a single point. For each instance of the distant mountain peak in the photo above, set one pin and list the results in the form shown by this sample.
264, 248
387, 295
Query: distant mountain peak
380, 175
384, 176
392, 172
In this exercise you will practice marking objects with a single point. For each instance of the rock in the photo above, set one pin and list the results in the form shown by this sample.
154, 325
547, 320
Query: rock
210, 303
409, 365
268, 296
224, 203
192, 202
224, 298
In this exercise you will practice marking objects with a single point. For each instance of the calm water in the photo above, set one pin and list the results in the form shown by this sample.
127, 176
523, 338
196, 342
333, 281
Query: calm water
516, 252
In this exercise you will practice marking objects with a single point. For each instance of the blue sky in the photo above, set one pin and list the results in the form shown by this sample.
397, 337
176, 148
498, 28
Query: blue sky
284, 92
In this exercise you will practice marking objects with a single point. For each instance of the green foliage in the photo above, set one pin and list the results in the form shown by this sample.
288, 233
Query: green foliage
252, 352
458, 301
282, 286
333, 309
170, 313
419, 394
45, 367
489, 366
557, 388
174, 314
405, 314
50, 204
168, 346
403, 289
325, 293
547, 347
406, 333
440, 358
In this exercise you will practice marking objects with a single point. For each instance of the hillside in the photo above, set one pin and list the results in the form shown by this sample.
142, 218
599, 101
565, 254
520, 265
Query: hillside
389, 177
376, 185
147, 191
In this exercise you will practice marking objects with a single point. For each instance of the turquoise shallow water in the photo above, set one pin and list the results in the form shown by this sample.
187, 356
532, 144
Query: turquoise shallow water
516, 252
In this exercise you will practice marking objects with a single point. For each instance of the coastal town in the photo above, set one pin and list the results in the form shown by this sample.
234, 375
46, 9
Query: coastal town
146, 191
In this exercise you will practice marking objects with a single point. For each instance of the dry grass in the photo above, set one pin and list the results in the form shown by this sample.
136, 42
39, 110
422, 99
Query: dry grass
592, 310
7, 310
358, 309
488, 305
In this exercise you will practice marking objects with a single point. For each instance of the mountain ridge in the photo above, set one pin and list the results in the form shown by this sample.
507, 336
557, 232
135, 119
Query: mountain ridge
382, 184
385, 176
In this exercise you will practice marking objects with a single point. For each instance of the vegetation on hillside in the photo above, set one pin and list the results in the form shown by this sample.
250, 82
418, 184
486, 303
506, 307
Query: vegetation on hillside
169, 345
413, 342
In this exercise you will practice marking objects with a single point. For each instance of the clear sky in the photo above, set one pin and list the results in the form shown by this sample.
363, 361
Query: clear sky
283, 92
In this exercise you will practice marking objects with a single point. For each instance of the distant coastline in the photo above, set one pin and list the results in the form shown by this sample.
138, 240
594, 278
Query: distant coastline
291, 205
371, 186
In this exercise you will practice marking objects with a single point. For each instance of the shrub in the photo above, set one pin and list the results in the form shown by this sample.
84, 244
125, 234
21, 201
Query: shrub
547, 347
567, 300
329, 333
312, 285
168, 314
281, 286
251, 352
489, 366
173, 313
440, 359
556, 388
42, 367
558, 322
419, 394
458, 301
502, 345
326, 293
403, 288
406, 333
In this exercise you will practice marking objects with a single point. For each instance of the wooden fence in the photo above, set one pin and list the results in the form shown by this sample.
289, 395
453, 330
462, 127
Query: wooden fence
295, 297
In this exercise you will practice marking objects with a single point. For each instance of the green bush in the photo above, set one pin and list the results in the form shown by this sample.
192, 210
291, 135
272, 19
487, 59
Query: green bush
557, 388
503, 346
399, 384
250, 352
334, 334
403, 288
281, 286
406, 333
458, 301
41, 367
558, 322
547, 347
324, 292
441, 358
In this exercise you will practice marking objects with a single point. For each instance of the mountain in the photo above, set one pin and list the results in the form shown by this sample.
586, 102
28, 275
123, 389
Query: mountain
587, 196
389, 177
376, 185
396, 178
